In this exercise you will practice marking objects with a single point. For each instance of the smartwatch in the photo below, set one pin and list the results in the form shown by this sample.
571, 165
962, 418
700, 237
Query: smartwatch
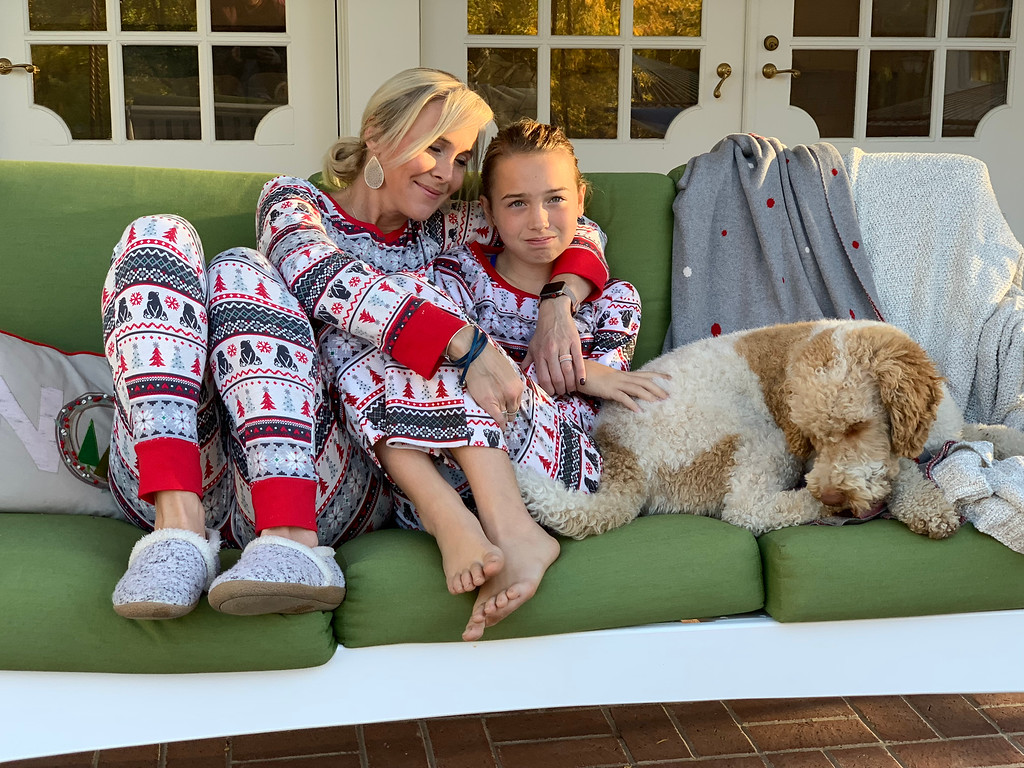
559, 288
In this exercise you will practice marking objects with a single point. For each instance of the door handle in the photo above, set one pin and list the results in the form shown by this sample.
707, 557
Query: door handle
723, 71
6, 67
770, 71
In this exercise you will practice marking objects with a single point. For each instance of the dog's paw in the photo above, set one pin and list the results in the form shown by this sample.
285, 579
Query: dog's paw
938, 526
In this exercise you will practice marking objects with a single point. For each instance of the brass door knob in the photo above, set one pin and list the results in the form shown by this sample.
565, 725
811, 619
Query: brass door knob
6, 67
723, 71
770, 71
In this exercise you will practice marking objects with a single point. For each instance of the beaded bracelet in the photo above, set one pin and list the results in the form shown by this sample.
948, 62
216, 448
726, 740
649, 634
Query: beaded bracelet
476, 347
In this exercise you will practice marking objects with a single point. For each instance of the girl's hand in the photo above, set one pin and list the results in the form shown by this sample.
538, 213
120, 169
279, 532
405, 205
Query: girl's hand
623, 387
555, 348
492, 379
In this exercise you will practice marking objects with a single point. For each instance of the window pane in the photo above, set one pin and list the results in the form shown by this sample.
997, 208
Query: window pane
900, 93
506, 78
838, 18
502, 17
66, 14
73, 82
161, 91
585, 92
665, 82
666, 18
903, 18
248, 82
166, 16
980, 18
975, 85
826, 89
584, 17
247, 16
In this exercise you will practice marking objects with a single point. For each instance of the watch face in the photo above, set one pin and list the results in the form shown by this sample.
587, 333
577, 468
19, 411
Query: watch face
551, 290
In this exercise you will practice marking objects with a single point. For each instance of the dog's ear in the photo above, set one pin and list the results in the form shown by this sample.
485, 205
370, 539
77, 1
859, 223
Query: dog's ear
910, 386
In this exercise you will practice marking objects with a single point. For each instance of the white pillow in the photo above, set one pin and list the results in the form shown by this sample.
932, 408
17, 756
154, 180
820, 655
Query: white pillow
36, 381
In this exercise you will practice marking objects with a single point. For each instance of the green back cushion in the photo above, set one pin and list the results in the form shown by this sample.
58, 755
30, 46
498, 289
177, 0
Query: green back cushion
635, 211
64, 220
55, 585
881, 569
662, 568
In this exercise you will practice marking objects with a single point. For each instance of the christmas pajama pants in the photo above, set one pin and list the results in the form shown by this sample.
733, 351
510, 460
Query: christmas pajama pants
219, 391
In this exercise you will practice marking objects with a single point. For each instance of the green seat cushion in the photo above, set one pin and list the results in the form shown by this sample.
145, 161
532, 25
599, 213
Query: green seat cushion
57, 577
69, 216
655, 569
881, 569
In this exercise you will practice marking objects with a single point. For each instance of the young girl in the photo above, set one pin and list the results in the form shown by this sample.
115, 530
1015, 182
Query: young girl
532, 194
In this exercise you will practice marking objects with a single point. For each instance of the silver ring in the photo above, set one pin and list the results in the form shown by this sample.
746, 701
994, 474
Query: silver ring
511, 414
564, 359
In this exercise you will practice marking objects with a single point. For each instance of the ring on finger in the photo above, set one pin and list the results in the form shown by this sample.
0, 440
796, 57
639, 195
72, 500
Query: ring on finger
564, 359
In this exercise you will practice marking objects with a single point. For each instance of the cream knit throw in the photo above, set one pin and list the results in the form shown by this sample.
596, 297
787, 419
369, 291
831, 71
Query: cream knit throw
947, 270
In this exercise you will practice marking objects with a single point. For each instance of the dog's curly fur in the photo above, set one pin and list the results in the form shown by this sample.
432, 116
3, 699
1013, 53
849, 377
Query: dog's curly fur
747, 415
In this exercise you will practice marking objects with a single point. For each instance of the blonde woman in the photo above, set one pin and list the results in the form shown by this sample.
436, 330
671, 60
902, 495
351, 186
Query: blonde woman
411, 374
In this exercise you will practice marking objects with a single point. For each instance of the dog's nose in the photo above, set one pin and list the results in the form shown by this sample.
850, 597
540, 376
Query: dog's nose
831, 497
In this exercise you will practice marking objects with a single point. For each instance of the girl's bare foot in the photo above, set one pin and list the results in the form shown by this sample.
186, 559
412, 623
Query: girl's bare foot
529, 552
468, 556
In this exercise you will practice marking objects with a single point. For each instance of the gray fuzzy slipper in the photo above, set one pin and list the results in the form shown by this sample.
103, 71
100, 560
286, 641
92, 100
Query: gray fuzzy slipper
168, 570
278, 575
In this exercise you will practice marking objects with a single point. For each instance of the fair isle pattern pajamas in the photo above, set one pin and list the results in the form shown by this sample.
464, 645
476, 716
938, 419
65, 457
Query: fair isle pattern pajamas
266, 451
553, 437
386, 325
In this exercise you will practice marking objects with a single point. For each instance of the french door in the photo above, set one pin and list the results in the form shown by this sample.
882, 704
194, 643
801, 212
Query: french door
225, 84
647, 84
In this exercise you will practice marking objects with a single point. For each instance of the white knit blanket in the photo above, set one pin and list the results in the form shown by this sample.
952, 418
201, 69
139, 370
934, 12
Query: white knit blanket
947, 270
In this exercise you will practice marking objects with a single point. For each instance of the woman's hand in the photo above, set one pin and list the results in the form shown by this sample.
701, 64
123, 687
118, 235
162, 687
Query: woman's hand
624, 387
555, 348
491, 379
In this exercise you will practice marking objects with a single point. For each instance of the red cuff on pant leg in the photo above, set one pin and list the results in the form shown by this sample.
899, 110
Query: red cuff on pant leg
168, 464
284, 501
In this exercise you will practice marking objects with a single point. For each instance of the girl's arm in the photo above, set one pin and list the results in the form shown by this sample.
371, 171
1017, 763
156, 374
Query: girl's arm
341, 290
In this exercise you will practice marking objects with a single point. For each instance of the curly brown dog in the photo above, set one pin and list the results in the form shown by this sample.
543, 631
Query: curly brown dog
770, 428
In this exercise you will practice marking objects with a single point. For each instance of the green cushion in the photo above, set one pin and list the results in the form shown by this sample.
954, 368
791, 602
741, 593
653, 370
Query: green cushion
57, 577
635, 211
64, 219
655, 569
882, 569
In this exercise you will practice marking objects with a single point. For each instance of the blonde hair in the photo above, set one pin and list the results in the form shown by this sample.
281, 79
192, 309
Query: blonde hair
523, 137
393, 109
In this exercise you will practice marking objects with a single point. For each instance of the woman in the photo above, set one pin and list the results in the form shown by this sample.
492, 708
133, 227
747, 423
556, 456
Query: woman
293, 480
388, 330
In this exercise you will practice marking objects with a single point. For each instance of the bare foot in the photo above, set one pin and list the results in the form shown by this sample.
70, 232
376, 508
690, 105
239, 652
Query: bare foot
469, 557
529, 552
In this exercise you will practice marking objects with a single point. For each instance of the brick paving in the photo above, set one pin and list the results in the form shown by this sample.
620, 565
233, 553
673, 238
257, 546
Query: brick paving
944, 731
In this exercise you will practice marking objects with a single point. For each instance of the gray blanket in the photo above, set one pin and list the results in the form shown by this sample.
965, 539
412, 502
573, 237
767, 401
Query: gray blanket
765, 234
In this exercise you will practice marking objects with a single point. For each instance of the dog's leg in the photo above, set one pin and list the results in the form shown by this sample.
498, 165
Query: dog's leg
919, 504
780, 509
1006, 441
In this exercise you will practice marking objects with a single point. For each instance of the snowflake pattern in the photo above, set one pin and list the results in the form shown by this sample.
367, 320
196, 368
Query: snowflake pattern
172, 303
135, 299
264, 347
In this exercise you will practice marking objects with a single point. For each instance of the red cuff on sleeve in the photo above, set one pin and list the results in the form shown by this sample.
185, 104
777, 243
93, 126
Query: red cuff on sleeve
284, 501
582, 262
168, 464
425, 338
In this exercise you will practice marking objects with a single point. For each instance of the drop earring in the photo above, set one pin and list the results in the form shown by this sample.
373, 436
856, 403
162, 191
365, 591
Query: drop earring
373, 173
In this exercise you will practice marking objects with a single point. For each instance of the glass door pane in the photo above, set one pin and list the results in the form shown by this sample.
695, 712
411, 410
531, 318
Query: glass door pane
585, 92
667, 18
66, 15
161, 92
73, 81
903, 18
665, 82
506, 78
900, 93
584, 17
